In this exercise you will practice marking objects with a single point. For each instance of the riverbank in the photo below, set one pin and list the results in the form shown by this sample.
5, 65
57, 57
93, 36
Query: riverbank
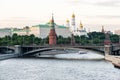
114, 59
7, 56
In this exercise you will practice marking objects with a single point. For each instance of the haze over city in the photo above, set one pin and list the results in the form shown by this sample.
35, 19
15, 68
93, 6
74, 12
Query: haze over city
92, 13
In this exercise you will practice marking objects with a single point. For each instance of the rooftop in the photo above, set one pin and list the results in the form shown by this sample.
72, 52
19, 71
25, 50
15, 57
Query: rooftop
47, 25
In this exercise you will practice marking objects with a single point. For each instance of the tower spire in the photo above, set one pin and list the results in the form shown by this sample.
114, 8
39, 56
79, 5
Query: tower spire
52, 22
103, 31
52, 18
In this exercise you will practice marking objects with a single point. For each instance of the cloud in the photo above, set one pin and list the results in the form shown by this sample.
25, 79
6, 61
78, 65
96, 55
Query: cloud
104, 16
109, 3
107, 16
112, 3
19, 19
18, 22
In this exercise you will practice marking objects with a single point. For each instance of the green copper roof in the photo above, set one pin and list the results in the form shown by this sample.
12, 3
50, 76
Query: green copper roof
41, 25
5, 30
47, 25
62, 26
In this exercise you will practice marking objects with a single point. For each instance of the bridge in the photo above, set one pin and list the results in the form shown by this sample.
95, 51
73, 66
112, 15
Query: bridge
31, 50
6, 49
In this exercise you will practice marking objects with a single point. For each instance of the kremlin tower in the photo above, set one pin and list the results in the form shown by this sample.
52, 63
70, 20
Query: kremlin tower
103, 31
52, 34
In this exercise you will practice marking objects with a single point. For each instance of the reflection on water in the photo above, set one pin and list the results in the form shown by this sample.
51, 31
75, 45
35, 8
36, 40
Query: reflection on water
83, 55
70, 54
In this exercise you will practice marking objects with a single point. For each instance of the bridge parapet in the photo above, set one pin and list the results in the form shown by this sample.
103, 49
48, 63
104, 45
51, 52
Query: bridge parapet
116, 50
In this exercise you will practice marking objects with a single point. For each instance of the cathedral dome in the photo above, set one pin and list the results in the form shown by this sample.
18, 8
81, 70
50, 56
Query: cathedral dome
73, 15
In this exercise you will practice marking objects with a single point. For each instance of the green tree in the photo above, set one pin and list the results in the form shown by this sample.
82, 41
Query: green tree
114, 38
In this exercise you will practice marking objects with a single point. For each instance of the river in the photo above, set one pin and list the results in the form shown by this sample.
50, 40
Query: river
57, 69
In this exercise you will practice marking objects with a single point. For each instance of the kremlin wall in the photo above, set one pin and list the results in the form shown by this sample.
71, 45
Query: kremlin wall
42, 30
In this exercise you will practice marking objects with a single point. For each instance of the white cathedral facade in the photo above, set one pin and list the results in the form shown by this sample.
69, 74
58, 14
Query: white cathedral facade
74, 29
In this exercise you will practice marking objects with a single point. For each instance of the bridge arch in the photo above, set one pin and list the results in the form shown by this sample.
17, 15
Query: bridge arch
6, 49
32, 52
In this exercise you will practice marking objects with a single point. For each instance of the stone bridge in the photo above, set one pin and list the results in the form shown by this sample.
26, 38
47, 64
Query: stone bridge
6, 49
115, 49
30, 50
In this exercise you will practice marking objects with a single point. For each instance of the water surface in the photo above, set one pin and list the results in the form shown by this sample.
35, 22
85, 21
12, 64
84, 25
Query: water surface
56, 69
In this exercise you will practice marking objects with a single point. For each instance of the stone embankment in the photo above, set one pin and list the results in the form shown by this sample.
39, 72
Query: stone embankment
114, 59
7, 56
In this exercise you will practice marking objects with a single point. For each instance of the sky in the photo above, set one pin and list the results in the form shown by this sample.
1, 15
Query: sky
92, 13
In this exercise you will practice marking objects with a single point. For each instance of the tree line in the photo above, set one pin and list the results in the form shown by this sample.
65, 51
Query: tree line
93, 38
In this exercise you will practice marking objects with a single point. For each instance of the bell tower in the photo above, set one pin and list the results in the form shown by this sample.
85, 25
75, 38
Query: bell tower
73, 25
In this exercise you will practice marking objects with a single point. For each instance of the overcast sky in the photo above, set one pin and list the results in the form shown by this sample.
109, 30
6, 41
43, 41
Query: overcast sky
92, 13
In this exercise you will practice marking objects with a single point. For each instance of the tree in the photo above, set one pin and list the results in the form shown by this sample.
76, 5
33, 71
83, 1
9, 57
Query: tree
93, 38
96, 41
114, 38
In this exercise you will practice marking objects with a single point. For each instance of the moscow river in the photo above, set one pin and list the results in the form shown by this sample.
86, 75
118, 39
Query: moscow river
57, 69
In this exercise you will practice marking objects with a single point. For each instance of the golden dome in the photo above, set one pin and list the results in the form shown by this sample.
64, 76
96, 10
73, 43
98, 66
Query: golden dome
67, 20
81, 26
73, 15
